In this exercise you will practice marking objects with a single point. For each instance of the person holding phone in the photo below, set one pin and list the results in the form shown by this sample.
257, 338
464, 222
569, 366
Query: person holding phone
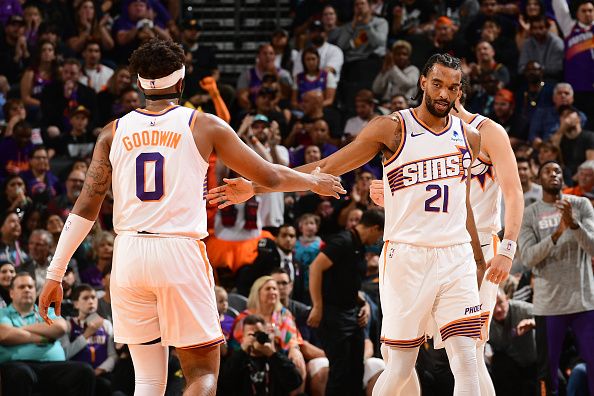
258, 368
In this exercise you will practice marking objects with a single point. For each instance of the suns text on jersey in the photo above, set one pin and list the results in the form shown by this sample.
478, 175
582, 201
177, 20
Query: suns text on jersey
151, 138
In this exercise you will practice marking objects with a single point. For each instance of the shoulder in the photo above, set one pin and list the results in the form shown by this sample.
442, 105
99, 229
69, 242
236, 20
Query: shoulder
472, 134
266, 246
577, 201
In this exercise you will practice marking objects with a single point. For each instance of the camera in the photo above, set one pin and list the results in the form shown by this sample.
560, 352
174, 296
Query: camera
261, 337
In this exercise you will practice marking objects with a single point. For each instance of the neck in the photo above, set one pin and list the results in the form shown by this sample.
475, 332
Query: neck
361, 230
285, 301
428, 118
38, 173
23, 309
106, 296
157, 105
527, 186
82, 316
102, 263
266, 310
91, 65
535, 86
550, 198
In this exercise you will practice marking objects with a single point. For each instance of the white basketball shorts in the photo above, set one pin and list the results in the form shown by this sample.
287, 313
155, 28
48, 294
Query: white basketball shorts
163, 287
488, 290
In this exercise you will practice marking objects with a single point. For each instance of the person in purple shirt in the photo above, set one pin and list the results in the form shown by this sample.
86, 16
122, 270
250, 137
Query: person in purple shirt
15, 150
42, 184
103, 253
320, 136
9, 8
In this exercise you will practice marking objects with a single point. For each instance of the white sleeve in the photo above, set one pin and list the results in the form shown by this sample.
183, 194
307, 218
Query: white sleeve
335, 58
331, 81
561, 9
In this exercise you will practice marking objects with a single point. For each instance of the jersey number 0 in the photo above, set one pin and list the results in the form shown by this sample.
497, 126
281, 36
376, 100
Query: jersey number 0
141, 176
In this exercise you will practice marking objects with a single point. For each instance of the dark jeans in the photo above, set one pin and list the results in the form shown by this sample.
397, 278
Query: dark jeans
510, 379
48, 378
343, 341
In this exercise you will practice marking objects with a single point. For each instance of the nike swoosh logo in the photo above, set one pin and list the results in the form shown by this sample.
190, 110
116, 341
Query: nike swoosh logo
485, 245
418, 134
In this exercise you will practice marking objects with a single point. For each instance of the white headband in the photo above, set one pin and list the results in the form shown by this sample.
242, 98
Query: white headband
163, 82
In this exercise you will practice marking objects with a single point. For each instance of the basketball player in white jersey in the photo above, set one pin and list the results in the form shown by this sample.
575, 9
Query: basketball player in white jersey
156, 160
494, 172
427, 268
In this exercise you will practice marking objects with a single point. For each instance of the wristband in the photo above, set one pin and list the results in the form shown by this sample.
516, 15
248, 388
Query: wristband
76, 229
507, 248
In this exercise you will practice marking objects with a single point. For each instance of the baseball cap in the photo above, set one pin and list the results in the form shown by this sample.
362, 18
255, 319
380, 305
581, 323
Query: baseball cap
281, 31
15, 19
444, 20
80, 109
260, 118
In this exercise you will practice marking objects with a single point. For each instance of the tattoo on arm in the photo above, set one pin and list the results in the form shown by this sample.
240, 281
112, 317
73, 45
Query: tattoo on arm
99, 173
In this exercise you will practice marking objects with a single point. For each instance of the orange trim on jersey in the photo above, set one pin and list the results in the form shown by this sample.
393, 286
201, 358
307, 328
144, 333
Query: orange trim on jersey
193, 120
460, 321
415, 342
202, 248
478, 127
466, 139
385, 260
445, 129
400, 145
215, 342
148, 112
495, 244
114, 126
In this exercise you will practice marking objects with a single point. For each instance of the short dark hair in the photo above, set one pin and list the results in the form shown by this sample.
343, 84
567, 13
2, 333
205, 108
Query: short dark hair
539, 18
20, 274
547, 163
157, 58
286, 225
567, 109
522, 160
78, 290
92, 42
279, 270
373, 217
253, 320
446, 60
72, 61
36, 148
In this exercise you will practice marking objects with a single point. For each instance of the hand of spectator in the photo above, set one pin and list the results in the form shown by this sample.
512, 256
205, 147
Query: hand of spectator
355, 195
275, 136
247, 342
376, 192
69, 88
235, 191
315, 317
525, 326
327, 185
92, 327
53, 131
105, 21
245, 125
564, 207
51, 293
388, 62
499, 268
99, 371
209, 85
21, 50
144, 24
363, 316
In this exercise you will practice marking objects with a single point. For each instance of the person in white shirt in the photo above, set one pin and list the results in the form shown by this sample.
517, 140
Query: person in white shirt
95, 75
397, 75
364, 107
331, 56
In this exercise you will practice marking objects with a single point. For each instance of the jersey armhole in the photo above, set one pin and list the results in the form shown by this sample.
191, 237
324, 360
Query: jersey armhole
192, 120
114, 127
402, 139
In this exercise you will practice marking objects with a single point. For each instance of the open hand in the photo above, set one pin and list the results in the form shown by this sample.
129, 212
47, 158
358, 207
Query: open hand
51, 293
235, 191
325, 184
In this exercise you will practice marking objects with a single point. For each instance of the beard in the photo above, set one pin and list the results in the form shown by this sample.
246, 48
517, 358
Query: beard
430, 105
552, 190
317, 41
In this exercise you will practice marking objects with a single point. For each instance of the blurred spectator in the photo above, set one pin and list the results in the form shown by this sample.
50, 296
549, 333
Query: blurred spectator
485, 57
61, 96
285, 283
42, 184
585, 180
557, 236
365, 109
10, 233
445, 39
13, 196
313, 78
89, 338
532, 9
15, 150
544, 47
331, 56
203, 56
359, 197
577, 145
30, 354
95, 75
365, 36
52, 33
504, 114
14, 53
547, 118
353, 218
7, 273
410, 17
284, 54
511, 336
33, 20
398, 102
397, 75
129, 100
14, 111
312, 112
9, 8
54, 225
308, 246
42, 71
330, 22
579, 61
88, 27
102, 254
225, 319
258, 367
69, 282
489, 9
250, 80
266, 104
39, 244
107, 100
63, 203
320, 137
533, 93
503, 45
532, 191
104, 303
78, 142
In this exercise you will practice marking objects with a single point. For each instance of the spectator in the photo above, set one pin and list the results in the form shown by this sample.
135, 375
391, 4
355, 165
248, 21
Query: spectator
88, 27
39, 244
9, 8
284, 54
397, 75
511, 336
547, 118
258, 367
544, 47
14, 53
336, 277
308, 246
331, 57
532, 191
503, 45
43, 70
52, 32
95, 75
203, 56
409, 18
585, 180
250, 80
102, 254
398, 102
42, 185
264, 301
557, 236
267, 105
33, 19
10, 233
359, 197
15, 150
330, 22
365, 109
78, 142
365, 36
445, 39
503, 114
89, 338
532, 9
14, 197
69, 282
54, 225
128, 101
223, 309
107, 99
31, 356
313, 78
489, 9
60, 97
62, 204
104, 303
353, 218
7, 274
578, 58
536, 93
319, 134
577, 144
14, 111
486, 64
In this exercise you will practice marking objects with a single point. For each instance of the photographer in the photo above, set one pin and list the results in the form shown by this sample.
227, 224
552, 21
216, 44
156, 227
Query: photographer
258, 368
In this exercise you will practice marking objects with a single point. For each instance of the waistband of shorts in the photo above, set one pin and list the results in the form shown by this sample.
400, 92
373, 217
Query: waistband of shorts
454, 245
484, 234
155, 235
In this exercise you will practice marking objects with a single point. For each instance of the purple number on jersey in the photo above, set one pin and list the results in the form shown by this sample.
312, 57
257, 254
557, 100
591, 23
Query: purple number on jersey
141, 161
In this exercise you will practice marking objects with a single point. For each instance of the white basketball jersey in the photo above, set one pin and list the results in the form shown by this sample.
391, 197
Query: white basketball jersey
485, 192
425, 185
158, 175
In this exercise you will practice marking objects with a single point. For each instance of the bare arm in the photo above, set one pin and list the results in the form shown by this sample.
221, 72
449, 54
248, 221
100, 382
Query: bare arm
589, 155
54, 331
320, 264
10, 335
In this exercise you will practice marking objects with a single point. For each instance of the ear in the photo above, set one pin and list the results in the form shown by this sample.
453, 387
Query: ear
423, 82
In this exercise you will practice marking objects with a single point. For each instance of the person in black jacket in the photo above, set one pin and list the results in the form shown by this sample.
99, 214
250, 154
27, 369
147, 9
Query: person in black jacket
258, 368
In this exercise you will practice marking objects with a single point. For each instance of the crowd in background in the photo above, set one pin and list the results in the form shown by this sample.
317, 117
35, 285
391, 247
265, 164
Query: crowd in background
312, 88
